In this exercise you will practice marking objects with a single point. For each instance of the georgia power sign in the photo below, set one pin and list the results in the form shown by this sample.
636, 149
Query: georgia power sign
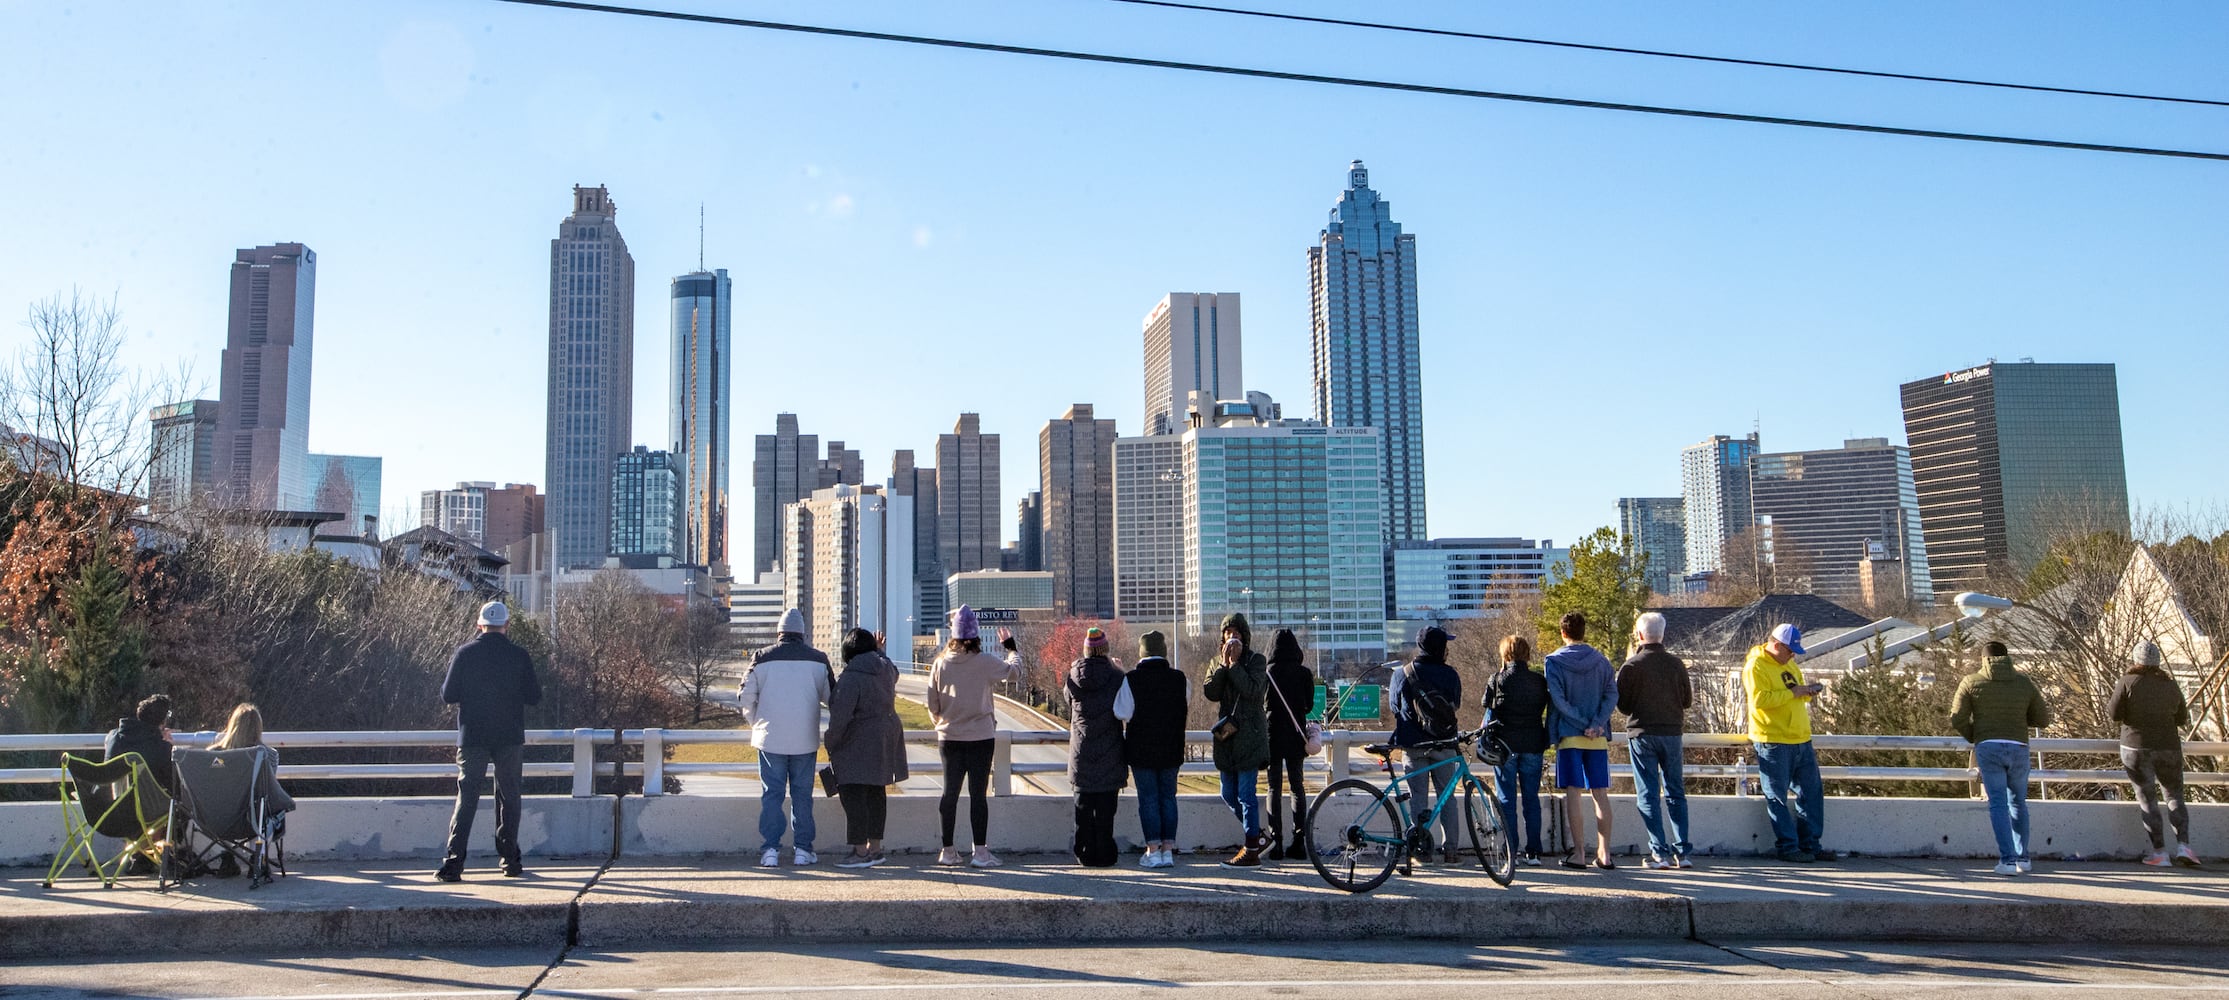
1970, 374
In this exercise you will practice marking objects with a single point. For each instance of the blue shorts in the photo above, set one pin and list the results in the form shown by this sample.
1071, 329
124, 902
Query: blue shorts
1583, 769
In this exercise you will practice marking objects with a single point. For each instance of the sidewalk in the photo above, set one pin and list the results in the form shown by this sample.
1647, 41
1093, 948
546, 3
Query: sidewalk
336, 907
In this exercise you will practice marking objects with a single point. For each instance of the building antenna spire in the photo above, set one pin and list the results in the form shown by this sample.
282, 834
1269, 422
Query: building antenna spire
700, 236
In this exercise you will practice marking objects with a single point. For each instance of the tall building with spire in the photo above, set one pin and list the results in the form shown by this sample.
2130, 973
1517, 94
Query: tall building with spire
263, 421
1363, 314
591, 375
701, 396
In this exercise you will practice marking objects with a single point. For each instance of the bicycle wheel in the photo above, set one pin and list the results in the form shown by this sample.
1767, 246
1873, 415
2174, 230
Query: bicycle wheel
1492, 841
1355, 835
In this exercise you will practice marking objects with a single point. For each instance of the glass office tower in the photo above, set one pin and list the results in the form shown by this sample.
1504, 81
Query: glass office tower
1362, 285
699, 425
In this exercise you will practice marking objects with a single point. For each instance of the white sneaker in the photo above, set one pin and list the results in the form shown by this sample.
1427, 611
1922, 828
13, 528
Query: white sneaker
2186, 857
2025, 865
983, 858
2007, 868
1659, 864
771, 859
2157, 859
950, 857
1152, 858
804, 857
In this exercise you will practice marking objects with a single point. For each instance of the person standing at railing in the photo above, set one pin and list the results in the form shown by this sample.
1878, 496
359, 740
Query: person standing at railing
866, 745
1654, 694
960, 685
1517, 714
1159, 699
1240, 684
2151, 710
1424, 695
1582, 693
1292, 688
782, 697
1095, 765
1994, 709
1780, 731
491, 681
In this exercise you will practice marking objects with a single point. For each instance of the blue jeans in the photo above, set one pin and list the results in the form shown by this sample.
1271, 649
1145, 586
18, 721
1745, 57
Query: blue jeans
1657, 771
789, 774
1238, 793
1521, 772
1792, 769
2004, 782
1426, 782
1156, 803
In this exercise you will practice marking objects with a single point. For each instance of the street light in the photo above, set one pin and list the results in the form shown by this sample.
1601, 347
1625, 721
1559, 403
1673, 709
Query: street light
1248, 593
1974, 605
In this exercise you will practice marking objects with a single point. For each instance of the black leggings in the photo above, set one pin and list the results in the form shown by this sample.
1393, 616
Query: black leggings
1277, 771
866, 810
970, 759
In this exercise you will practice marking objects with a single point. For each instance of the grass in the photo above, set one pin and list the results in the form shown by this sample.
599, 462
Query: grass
913, 714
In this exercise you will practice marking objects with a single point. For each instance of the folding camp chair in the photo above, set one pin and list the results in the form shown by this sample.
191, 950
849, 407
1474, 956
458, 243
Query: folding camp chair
119, 798
220, 812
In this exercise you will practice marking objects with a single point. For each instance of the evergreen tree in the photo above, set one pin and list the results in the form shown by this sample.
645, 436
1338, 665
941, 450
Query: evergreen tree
1606, 580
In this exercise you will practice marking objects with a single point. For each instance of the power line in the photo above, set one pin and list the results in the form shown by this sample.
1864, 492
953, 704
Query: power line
1412, 88
1622, 50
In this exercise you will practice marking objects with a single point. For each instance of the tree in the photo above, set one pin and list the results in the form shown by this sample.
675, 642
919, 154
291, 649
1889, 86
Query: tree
701, 642
68, 405
92, 667
1606, 580
607, 669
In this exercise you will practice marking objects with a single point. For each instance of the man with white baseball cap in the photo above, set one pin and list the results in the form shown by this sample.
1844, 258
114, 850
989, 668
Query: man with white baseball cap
1780, 730
491, 681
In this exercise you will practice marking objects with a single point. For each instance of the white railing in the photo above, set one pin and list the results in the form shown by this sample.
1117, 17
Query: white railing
1340, 756
582, 768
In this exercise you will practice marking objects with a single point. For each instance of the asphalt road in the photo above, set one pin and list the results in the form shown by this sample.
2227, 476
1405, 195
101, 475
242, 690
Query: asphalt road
1679, 971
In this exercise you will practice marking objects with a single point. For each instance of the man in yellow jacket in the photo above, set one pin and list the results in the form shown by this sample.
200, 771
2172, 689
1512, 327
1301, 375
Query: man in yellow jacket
1780, 729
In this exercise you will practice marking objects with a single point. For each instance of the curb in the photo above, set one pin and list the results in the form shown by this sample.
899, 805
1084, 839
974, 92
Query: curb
112, 935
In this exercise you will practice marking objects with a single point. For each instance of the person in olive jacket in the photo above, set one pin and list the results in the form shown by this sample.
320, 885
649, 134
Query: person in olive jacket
1292, 694
1095, 765
491, 680
1517, 714
1240, 683
1994, 709
1153, 742
2151, 711
866, 744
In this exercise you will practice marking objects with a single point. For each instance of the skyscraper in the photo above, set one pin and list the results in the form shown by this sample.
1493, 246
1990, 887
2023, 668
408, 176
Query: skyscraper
849, 550
1149, 529
2004, 457
348, 484
1831, 508
1658, 527
1029, 540
1191, 345
785, 469
482, 514
264, 397
918, 486
646, 504
1075, 463
1362, 278
701, 395
1714, 491
967, 508
182, 467
591, 375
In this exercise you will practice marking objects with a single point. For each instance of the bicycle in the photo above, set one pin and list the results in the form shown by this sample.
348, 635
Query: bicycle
1358, 832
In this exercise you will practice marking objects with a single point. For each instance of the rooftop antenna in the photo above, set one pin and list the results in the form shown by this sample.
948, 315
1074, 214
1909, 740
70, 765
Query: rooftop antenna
700, 236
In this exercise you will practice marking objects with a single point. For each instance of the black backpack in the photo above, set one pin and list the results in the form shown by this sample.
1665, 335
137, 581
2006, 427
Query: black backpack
1430, 707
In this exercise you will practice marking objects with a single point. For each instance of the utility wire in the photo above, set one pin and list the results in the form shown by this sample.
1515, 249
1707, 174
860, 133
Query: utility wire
1412, 88
1729, 60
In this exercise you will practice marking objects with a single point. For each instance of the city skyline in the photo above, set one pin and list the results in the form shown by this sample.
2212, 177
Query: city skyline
1662, 247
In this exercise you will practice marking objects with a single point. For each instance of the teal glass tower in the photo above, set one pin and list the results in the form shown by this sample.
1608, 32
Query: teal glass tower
1362, 278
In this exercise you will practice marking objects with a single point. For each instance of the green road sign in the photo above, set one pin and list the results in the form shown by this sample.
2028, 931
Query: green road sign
1316, 711
1362, 701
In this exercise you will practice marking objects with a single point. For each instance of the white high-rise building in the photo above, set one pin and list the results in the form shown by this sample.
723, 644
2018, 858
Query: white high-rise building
1191, 345
1284, 520
1714, 491
462, 512
848, 558
1149, 529
1445, 578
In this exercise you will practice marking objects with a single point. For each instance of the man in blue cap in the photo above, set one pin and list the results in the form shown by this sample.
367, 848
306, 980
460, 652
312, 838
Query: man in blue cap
1780, 729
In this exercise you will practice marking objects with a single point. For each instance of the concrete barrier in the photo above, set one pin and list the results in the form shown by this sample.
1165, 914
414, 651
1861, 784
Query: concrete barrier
682, 825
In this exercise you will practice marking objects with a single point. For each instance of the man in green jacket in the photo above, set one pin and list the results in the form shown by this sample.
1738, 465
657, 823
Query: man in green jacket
1994, 709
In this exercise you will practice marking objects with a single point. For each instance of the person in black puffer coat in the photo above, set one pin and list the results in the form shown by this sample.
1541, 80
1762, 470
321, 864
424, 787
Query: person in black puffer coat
1292, 694
1153, 743
1095, 765
1517, 712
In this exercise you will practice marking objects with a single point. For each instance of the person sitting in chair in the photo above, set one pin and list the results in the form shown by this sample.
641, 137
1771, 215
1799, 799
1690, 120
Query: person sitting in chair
245, 729
146, 732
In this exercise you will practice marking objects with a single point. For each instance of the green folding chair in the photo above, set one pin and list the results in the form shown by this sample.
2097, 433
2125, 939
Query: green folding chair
119, 798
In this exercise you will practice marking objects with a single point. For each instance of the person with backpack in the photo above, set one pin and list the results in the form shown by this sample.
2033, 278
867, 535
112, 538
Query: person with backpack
1095, 764
1582, 692
1517, 714
1424, 695
1153, 702
1240, 684
1292, 694
2151, 711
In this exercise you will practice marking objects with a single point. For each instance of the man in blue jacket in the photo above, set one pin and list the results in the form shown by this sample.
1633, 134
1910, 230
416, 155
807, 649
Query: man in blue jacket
1582, 692
491, 681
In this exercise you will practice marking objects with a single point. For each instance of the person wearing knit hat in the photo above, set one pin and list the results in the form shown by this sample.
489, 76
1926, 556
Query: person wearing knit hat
1153, 742
782, 698
1095, 765
2151, 710
960, 687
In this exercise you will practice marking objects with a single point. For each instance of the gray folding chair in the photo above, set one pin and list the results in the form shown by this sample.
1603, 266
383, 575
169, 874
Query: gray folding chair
220, 812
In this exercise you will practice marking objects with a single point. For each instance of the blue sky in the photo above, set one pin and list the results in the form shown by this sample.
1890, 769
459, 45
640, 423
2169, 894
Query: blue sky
915, 232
